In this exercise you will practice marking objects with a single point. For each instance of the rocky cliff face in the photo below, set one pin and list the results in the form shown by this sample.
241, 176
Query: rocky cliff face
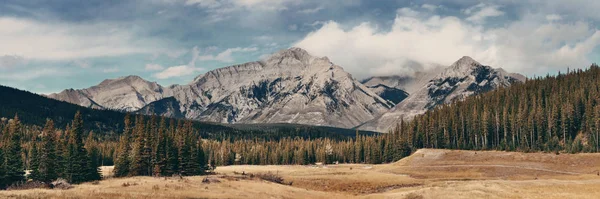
291, 86
125, 94
391, 94
466, 77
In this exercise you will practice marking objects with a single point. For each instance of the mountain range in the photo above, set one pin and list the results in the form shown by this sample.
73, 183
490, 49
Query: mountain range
292, 86
465, 77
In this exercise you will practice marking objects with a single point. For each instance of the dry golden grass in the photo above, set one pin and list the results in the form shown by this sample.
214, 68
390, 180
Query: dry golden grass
426, 174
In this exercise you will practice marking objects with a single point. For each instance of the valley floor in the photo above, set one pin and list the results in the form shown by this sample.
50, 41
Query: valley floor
427, 173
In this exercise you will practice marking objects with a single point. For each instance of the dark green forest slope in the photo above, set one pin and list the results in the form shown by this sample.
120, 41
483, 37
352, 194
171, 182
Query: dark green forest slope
552, 113
34, 109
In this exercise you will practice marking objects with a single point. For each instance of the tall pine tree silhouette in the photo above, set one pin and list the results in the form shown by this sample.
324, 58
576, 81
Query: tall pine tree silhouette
13, 163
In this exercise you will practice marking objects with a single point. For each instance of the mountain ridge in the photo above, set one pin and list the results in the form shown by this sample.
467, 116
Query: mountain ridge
290, 86
465, 77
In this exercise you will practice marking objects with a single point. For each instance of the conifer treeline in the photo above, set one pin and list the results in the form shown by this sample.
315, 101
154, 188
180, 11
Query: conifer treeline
363, 149
159, 148
554, 113
156, 149
50, 154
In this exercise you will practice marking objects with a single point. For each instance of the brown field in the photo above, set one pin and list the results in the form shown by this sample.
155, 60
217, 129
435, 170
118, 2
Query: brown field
425, 174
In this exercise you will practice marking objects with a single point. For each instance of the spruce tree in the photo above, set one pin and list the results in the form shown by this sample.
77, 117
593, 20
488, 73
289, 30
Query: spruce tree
123, 160
184, 154
48, 154
172, 158
78, 168
140, 156
149, 149
3, 180
200, 158
94, 158
34, 160
13, 163
160, 153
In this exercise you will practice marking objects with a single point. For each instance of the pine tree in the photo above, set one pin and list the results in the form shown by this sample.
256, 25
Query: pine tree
13, 163
62, 141
3, 180
172, 159
48, 154
123, 160
140, 158
34, 160
149, 145
160, 151
94, 158
184, 153
78, 168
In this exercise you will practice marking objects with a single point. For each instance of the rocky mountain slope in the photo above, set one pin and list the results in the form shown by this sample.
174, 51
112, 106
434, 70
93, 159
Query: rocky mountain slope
466, 77
290, 86
124, 94
392, 94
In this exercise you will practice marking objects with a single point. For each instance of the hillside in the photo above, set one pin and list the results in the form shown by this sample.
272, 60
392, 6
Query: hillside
34, 109
552, 113
464, 78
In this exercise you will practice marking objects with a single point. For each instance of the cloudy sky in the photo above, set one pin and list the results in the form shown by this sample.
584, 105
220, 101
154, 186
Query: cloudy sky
47, 46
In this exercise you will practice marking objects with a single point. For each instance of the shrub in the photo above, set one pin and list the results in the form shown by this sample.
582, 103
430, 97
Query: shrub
61, 184
28, 185
271, 177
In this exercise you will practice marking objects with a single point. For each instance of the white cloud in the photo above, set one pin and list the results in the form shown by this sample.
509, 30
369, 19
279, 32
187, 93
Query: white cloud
480, 12
220, 10
204, 3
530, 45
176, 53
226, 55
262, 4
311, 10
177, 71
9, 61
264, 56
182, 70
82, 64
553, 17
407, 12
429, 7
27, 75
154, 67
111, 70
263, 38
293, 27
62, 41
